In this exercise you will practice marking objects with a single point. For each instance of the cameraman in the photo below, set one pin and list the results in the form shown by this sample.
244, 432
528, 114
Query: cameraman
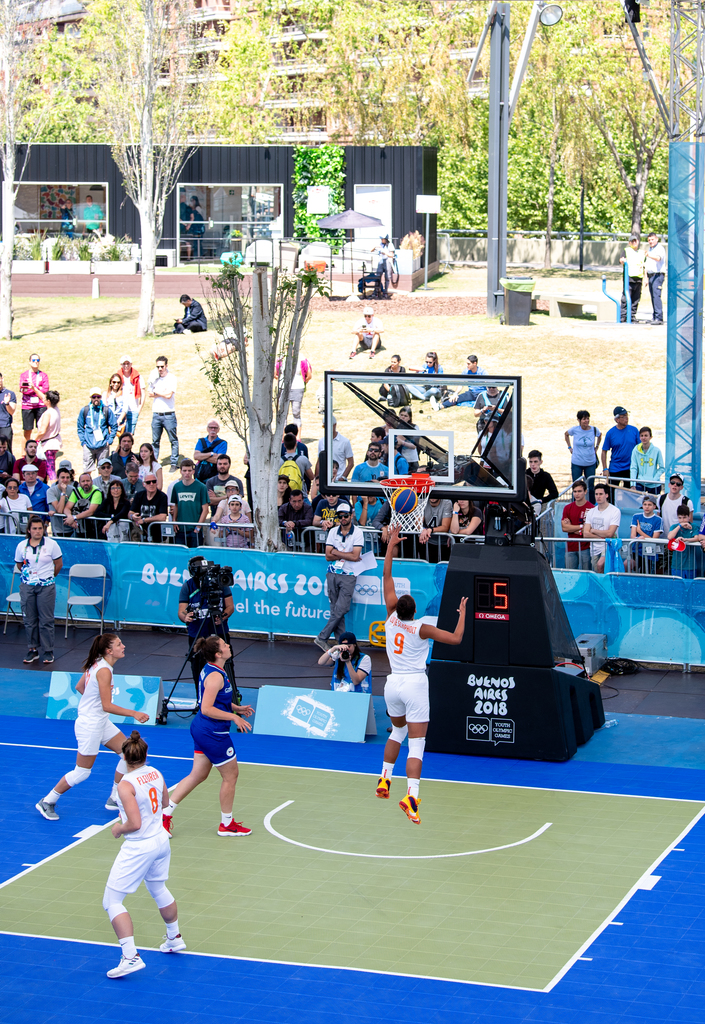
205, 607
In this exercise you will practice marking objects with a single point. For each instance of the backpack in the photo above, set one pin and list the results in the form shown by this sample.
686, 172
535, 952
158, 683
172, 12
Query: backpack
291, 468
684, 500
398, 395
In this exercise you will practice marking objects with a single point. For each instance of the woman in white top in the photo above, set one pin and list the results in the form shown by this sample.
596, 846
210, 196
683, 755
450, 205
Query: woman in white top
114, 399
39, 560
93, 727
12, 502
148, 464
49, 432
144, 855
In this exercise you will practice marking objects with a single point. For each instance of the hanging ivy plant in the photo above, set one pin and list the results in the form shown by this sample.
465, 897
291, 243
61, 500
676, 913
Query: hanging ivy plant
318, 165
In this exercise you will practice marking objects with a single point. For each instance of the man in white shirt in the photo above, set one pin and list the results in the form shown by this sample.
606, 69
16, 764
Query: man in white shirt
655, 272
635, 271
600, 522
344, 545
368, 331
162, 388
342, 452
669, 504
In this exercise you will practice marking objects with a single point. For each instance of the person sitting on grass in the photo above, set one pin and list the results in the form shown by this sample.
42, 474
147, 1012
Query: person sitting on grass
683, 562
368, 331
194, 319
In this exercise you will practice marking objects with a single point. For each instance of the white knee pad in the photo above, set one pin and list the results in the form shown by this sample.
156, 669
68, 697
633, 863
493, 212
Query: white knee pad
121, 767
112, 902
399, 735
416, 747
77, 775
159, 893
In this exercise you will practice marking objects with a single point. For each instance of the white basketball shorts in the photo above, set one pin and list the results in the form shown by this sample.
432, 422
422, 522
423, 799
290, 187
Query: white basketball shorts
140, 860
91, 735
407, 695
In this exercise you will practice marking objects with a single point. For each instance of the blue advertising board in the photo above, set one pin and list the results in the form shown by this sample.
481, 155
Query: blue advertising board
312, 714
138, 693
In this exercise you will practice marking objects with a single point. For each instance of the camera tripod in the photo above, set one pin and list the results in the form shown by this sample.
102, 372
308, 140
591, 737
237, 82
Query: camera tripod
163, 715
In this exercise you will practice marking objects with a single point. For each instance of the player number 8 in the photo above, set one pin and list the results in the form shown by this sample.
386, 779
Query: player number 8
399, 643
154, 800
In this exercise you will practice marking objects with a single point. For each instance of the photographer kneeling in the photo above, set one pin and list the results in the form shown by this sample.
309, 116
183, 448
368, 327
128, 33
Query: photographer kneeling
352, 669
205, 605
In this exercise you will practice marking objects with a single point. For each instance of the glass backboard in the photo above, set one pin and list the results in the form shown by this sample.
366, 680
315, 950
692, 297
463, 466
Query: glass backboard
465, 432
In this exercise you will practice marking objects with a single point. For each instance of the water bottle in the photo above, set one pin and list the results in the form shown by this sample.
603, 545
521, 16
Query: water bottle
610, 722
290, 539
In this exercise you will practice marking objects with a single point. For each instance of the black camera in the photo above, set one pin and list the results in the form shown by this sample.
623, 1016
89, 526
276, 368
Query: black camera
211, 578
344, 654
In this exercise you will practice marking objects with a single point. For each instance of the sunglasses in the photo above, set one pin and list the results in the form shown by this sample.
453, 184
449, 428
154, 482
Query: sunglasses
368, 316
35, 360
345, 515
150, 480
678, 483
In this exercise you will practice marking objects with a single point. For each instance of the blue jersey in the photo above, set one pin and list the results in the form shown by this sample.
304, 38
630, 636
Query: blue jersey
223, 700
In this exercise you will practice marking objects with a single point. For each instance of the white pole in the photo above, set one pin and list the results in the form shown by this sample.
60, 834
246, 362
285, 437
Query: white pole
425, 276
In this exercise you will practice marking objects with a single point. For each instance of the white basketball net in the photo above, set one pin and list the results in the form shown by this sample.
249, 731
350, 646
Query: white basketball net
409, 522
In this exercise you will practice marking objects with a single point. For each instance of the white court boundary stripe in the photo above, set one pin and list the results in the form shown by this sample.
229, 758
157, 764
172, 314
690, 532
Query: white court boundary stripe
52, 856
348, 771
389, 856
284, 963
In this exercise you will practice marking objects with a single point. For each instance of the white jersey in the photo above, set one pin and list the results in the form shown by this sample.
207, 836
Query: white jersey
406, 651
90, 706
148, 784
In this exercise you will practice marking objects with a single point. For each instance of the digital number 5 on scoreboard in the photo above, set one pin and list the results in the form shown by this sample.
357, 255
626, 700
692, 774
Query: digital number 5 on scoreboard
492, 598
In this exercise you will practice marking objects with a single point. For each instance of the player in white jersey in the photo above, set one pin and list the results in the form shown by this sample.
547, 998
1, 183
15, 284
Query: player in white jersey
406, 689
144, 856
93, 727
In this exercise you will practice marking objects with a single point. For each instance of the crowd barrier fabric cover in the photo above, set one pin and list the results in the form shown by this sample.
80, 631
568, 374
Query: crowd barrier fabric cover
649, 618
138, 693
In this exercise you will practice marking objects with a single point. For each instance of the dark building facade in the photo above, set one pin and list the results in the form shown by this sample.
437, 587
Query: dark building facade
226, 196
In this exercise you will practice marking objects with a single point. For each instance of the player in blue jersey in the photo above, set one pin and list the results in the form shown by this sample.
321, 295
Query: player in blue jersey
211, 736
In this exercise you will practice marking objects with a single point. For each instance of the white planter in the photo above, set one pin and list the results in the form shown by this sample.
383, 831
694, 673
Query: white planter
406, 262
28, 267
69, 266
114, 266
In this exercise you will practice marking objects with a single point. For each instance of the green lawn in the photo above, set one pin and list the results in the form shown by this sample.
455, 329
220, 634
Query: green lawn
512, 917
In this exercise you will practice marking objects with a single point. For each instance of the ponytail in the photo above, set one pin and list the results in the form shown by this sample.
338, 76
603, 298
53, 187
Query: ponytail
209, 646
99, 648
134, 749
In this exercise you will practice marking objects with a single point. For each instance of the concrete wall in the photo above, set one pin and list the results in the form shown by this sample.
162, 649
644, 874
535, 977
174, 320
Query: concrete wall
531, 250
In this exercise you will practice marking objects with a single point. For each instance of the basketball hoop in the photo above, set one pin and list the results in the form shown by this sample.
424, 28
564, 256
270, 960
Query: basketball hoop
421, 484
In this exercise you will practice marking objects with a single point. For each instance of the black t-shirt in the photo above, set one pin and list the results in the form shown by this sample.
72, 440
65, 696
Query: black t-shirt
145, 508
7, 463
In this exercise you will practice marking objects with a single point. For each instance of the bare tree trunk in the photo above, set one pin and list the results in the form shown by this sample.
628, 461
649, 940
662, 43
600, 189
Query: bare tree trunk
145, 324
8, 235
553, 152
263, 436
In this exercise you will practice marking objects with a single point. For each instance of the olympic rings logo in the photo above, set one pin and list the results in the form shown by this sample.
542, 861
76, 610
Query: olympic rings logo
477, 729
365, 590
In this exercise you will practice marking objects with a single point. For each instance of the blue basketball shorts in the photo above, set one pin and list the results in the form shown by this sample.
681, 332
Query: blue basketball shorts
215, 743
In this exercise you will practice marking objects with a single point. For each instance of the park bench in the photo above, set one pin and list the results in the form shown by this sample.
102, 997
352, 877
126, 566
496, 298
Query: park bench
574, 305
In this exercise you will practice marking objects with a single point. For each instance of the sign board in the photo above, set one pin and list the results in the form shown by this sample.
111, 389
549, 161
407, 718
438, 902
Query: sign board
318, 199
138, 693
428, 204
313, 714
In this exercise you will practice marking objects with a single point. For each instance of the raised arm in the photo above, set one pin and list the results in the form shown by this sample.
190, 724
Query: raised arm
390, 594
442, 635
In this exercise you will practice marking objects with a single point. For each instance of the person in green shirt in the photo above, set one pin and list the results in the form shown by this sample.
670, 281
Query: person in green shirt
189, 505
93, 214
82, 505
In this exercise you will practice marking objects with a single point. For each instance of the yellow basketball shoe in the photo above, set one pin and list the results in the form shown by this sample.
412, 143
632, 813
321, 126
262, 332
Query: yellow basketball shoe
383, 787
410, 807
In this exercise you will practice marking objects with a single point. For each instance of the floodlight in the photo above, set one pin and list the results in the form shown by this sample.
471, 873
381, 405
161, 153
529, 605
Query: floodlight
551, 15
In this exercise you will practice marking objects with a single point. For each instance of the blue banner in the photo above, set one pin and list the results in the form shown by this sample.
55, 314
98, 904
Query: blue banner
649, 618
312, 714
138, 693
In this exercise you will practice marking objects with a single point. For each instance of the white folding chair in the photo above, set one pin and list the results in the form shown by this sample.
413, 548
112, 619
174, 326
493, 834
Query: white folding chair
12, 598
85, 572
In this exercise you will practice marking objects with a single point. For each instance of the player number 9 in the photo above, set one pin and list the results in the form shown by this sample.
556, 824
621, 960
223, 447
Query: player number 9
399, 643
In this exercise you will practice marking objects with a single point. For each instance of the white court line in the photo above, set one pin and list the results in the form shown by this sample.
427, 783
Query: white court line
348, 771
389, 856
620, 906
92, 830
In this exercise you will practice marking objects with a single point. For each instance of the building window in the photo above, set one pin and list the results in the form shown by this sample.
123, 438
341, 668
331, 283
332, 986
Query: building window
73, 210
213, 219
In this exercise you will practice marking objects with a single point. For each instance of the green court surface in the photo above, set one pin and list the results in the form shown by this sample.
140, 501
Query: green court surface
514, 916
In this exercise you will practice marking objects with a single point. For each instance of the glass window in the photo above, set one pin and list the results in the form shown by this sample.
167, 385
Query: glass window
66, 209
214, 219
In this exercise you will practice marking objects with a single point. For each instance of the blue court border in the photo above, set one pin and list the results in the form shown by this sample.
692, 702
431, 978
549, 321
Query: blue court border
649, 966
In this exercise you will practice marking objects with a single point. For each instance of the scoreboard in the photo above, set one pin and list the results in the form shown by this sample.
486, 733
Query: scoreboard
499, 693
